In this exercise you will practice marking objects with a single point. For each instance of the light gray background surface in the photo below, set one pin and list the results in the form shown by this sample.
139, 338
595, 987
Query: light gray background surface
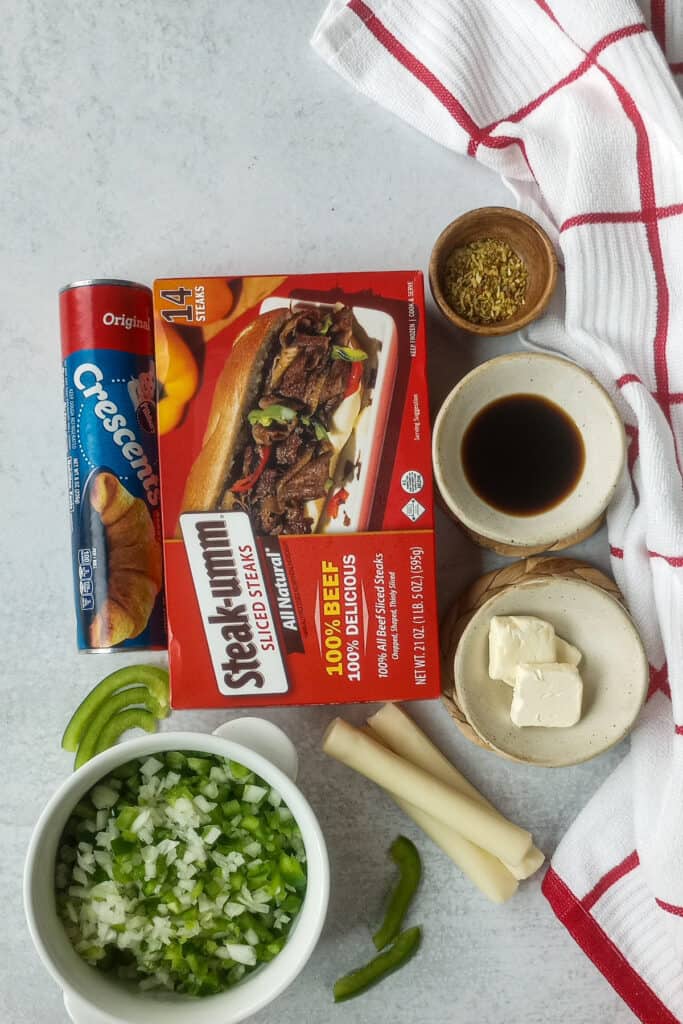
146, 139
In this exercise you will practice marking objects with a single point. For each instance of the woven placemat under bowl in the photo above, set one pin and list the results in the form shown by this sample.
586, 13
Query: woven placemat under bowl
484, 588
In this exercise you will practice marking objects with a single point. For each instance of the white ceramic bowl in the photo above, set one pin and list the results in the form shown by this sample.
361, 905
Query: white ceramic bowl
91, 997
591, 409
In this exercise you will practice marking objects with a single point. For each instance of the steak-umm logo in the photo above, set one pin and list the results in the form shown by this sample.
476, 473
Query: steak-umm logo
233, 602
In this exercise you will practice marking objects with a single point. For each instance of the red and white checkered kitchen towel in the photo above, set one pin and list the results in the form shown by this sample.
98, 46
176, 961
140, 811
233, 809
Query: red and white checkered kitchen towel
575, 104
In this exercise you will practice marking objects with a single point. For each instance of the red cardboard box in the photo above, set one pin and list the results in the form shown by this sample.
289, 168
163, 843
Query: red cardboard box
297, 501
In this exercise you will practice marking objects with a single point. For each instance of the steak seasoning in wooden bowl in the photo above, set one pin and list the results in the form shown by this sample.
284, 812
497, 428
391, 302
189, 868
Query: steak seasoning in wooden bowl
492, 271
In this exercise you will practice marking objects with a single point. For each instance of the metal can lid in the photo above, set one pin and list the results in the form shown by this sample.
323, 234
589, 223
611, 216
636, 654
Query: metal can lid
106, 281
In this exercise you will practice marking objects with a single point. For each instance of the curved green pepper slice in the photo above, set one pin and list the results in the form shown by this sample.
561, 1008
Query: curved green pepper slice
117, 702
155, 679
376, 970
132, 718
271, 414
405, 856
350, 355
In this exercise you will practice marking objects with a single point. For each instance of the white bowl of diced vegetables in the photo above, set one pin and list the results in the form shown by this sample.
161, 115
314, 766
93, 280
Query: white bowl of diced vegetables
179, 879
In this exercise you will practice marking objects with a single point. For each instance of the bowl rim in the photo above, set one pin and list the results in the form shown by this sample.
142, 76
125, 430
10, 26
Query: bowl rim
514, 323
267, 983
502, 536
544, 763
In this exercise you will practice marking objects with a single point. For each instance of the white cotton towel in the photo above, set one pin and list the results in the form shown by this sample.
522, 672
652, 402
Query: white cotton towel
576, 105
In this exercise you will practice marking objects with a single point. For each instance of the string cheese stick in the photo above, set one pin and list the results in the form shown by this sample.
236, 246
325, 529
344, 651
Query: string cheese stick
486, 872
483, 869
528, 865
404, 736
405, 780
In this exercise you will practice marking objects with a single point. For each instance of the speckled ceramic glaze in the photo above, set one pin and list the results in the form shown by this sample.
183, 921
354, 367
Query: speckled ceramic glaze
614, 671
596, 418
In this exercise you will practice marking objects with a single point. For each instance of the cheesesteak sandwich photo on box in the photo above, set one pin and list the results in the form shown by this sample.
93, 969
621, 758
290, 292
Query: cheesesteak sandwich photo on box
285, 405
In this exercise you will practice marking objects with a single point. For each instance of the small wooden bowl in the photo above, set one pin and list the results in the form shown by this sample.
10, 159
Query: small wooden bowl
524, 236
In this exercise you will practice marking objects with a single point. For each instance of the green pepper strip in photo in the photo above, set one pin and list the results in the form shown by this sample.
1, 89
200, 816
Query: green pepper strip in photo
405, 856
155, 679
360, 980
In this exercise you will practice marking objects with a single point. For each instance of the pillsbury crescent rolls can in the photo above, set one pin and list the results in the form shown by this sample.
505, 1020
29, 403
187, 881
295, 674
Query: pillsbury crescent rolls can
112, 464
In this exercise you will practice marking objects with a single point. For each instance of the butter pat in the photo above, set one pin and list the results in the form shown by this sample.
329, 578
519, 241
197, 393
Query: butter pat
567, 653
516, 640
547, 695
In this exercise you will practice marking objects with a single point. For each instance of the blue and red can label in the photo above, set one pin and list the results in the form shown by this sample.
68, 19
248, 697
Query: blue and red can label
112, 465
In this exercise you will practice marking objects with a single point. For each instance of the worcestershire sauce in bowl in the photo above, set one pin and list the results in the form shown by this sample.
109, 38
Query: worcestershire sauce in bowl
522, 454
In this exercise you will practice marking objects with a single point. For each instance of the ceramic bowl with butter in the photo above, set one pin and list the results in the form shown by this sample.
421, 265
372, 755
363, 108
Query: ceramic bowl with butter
527, 450
612, 666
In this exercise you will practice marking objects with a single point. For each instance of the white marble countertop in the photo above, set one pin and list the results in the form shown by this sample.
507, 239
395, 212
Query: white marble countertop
144, 140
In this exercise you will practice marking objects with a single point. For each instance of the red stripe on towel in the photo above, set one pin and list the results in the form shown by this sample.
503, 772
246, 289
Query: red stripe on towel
670, 908
607, 881
674, 560
624, 217
658, 21
596, 944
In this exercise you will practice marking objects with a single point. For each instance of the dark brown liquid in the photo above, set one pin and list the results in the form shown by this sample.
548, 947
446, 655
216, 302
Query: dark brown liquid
522, 454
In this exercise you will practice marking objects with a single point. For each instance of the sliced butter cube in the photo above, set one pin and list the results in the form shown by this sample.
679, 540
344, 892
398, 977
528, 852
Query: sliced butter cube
548, 695
515, 640
567, 653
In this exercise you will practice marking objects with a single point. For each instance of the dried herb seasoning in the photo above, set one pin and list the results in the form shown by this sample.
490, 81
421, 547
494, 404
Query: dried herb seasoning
485, 281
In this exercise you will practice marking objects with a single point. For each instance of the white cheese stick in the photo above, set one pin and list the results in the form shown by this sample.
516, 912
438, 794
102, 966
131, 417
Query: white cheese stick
485, 872
401, 734
529, 865
408, 782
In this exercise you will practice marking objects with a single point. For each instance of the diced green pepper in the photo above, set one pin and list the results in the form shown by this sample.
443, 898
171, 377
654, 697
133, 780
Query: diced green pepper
292, 871
200, 765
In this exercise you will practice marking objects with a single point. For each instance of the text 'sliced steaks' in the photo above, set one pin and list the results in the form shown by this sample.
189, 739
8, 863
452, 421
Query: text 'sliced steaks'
297, 502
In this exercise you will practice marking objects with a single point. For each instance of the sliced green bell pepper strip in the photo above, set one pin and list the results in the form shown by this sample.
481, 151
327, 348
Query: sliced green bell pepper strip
155, 679
117, 702
350, 355
271, 414
363, 978
405, 856
132, 718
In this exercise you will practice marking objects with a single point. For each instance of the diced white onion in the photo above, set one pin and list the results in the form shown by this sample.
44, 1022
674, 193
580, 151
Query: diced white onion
253, 794
241, 953
103, 796
150, 767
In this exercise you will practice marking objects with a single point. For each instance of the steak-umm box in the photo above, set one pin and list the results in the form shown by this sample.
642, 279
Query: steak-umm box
296, 489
